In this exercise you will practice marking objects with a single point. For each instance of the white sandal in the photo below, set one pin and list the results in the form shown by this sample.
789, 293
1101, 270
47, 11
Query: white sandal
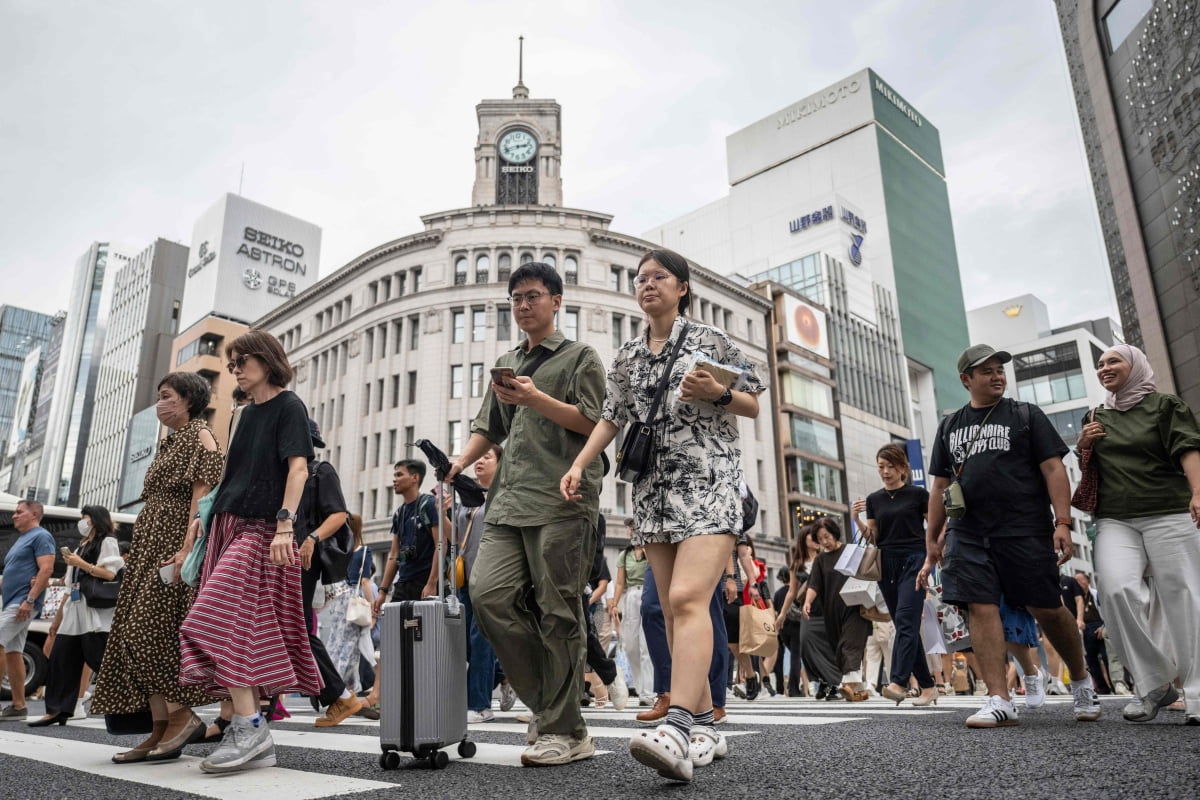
664, 749
706, 745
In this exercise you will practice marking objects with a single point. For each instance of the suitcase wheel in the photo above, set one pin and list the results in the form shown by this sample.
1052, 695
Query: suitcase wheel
466, 749
439, 759
389, 760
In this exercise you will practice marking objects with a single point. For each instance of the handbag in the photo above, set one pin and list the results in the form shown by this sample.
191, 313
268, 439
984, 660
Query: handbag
637, 448
98, 593
757, 635
1087, 492
871, 566
332, 553
460, 561
857, 592
358, 612
849, 560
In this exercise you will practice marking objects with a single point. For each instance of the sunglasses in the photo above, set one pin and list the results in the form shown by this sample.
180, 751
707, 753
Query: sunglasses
239, 362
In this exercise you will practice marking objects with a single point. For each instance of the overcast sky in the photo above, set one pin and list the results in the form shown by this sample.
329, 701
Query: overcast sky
123, 120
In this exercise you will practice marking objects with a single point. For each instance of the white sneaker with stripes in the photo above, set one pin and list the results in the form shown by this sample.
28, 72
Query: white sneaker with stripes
996, 713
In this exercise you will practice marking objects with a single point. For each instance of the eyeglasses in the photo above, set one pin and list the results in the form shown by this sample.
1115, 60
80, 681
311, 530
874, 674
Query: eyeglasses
529, 298
642, 280
239, 362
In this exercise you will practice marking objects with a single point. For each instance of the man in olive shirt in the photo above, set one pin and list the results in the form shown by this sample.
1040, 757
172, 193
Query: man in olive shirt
532, 537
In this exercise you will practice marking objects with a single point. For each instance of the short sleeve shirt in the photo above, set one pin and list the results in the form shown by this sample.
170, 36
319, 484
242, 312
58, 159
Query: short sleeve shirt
537, 450
1003, 487
256, 470
20, 565
360, 563
692, 486
899, 516
413, 523
635, 568
322, 497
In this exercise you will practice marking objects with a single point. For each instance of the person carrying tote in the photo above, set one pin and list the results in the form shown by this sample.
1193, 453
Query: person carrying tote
896, 525
1145, 446
251, 578
79, 630
687, 504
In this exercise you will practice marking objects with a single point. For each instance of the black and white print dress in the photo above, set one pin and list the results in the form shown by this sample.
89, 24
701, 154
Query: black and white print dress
692, 487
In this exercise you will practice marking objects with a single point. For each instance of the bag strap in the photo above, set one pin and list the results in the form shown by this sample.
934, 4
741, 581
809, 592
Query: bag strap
666, 378
543, 357
975, 440
470, 524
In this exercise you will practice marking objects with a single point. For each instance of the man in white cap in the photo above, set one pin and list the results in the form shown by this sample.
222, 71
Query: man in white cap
998, 472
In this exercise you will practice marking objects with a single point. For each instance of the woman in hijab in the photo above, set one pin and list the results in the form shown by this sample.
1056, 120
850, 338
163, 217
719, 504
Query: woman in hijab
1145, 448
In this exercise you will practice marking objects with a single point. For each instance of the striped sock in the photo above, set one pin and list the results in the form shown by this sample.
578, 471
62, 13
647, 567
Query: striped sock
705, 718
680, 719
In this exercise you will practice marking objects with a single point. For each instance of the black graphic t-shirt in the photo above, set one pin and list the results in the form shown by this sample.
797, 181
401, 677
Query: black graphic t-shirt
1002, 482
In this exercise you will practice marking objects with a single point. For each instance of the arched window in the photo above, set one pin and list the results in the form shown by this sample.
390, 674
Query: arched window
526, 258
503, 267
460, 271
549, 260
570, 270
482, 265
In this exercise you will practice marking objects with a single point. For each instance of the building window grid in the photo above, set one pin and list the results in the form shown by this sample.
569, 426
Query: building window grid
414, 332
460, 270
503, 324
458, 325
483, 266
456, 381
477, 381
412, 388
379, 395
478, 324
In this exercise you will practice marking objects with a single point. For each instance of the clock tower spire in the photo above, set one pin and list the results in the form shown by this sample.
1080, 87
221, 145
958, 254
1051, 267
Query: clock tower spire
518, 152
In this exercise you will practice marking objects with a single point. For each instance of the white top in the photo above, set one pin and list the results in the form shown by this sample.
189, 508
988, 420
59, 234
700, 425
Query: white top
79, 618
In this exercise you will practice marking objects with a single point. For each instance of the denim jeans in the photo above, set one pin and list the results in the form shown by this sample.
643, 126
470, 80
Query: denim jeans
654, 626
481, 660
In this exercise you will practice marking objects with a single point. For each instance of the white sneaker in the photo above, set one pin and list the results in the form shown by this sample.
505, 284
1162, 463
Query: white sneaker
618, 692
1087, 705
706, 745
1035, 693
476, 717
508, 696
646, 700
242, 747
996, 713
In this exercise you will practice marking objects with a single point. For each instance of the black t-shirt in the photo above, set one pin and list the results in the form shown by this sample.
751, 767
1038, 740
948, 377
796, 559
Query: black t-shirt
899, 516
1069, 588
322, 497
415, 524
257, 466
1002, 482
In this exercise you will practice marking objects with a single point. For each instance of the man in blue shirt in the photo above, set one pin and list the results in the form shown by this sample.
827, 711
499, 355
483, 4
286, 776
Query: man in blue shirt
27, 569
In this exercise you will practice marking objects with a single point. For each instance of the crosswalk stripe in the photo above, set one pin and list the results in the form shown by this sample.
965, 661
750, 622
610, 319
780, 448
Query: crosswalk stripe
182, 774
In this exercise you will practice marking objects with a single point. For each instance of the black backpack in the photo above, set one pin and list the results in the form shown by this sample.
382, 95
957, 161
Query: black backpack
749, 510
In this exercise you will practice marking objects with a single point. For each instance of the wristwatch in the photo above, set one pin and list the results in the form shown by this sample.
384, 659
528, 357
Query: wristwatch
283, 515
725, 399
316, 539
1061, 521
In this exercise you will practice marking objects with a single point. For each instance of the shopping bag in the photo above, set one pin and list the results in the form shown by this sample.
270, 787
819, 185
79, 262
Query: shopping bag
850, 559
951, 620
857, 592
869, 568
758, 636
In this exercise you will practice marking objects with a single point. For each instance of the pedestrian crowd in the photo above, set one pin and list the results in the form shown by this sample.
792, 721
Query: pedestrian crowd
248, 577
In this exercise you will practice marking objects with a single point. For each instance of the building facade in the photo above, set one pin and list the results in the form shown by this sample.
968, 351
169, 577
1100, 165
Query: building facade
397, 344
143, 321
1132, 66
1055, 369
22, 332
842, 197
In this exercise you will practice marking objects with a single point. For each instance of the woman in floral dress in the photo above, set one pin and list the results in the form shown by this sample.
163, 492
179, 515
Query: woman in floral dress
687, 506
141, 660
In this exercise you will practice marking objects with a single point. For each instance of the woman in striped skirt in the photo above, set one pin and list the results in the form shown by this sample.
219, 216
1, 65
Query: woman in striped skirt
245, 637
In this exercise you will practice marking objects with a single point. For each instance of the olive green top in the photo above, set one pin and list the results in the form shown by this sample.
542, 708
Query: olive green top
635, 568
1138, 458
537, 450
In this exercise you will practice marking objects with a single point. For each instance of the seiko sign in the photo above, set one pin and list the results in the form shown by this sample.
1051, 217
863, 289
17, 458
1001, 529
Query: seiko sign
138, 455
291, 251
521, 168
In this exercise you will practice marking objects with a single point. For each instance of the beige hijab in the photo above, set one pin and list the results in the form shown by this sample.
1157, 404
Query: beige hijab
1140, 382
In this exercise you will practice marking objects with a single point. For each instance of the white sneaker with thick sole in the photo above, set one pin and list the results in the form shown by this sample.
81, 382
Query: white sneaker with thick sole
646, 700
665, 750
996, 713
1087, 705
1035, 690
705, 745
554, 749
618, 692
1144, 709
476, 717
242, 747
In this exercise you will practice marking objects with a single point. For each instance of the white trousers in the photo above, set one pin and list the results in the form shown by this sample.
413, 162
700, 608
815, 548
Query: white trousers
1148, 579
879, 649
634, 640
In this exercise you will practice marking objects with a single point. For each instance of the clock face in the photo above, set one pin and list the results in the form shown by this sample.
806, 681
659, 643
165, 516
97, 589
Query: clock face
518, 147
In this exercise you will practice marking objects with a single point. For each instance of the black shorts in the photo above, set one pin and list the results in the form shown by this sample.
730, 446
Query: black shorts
733, 621
1024, 569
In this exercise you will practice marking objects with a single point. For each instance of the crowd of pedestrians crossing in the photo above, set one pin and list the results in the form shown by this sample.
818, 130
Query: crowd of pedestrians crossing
236, 555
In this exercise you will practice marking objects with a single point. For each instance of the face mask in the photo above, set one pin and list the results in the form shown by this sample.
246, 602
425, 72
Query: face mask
83, 527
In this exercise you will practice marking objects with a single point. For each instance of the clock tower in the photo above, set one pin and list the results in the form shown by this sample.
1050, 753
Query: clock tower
518, 154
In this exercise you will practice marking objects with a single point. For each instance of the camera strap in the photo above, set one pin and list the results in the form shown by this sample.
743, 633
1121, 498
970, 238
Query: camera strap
975, 440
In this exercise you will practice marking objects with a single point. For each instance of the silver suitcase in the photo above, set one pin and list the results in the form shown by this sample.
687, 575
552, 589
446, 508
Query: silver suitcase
423, 683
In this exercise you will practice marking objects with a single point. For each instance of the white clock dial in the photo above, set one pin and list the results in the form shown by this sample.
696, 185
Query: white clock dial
518, 147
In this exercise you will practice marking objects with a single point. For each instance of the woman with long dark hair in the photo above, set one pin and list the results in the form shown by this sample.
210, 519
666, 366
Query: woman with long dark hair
245, 637
80, 631
687, 504
844, 626
796, 630
896, 524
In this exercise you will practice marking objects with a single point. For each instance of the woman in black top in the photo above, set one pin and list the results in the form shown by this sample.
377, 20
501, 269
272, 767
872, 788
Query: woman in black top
245, 636
896, 523
844, 626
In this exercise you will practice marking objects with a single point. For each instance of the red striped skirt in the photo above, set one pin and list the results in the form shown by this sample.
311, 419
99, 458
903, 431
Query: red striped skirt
246, 627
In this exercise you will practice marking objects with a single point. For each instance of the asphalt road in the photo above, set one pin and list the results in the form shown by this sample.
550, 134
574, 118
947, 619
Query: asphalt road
778, 748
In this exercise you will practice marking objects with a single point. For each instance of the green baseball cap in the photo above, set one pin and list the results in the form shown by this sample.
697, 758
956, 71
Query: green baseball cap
976, 354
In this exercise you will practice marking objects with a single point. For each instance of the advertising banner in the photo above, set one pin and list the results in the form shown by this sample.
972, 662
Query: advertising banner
805, 326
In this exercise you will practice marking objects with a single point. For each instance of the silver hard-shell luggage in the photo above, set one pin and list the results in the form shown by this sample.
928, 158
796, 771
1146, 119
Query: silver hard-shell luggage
423, 685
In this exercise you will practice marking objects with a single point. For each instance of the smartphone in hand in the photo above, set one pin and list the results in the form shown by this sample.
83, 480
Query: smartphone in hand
166, 573
66, 551
502, 375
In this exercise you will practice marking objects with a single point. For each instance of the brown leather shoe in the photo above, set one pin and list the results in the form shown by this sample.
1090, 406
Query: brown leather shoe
184, 728
140, 752
651, 716
341, 708
718, 715
854, 695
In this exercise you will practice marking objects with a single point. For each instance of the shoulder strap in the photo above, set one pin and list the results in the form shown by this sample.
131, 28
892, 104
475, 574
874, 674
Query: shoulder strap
470, 524
975, 440
543, 357
666, 378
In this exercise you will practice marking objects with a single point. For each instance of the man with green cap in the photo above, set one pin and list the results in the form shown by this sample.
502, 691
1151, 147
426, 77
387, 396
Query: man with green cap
998, 473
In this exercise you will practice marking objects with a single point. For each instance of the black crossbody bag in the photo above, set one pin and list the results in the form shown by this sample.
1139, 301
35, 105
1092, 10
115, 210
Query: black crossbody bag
637, 448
